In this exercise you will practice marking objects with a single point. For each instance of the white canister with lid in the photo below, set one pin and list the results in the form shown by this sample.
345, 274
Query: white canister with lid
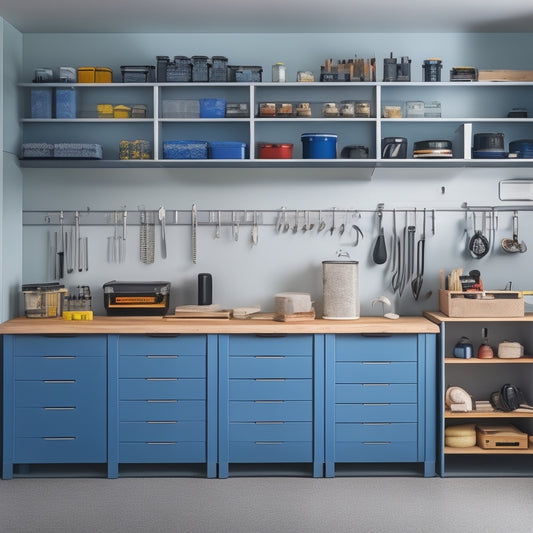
341, 290
279, 72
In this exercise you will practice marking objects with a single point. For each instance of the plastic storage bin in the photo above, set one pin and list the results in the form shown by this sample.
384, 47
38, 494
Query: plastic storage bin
319, 145
245, 74
275, 151
180, 109
78, 151
227, 150
200, 68
45, 300
41, 103
179, 70
218, 71
95, 75
66, 103
37, 150
185, 150
137, 74
212, 108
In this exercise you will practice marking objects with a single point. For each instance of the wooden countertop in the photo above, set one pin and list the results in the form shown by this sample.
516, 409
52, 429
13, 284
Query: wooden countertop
161, 325
437, 317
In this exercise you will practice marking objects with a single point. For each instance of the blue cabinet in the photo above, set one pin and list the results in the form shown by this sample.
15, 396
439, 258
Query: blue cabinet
55, 400
271, 400
380, 400
167, 400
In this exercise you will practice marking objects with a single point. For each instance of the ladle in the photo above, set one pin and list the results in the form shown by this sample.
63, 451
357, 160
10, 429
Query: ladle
513, 245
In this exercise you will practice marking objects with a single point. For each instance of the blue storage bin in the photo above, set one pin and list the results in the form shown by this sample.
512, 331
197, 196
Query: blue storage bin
319, 145
66, 103
227, 150
212, 108
41, 102
185, 150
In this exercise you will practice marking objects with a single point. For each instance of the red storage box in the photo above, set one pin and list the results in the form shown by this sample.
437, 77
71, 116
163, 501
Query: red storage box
275, 151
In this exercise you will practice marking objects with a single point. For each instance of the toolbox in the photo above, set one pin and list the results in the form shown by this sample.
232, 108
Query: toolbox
136, 298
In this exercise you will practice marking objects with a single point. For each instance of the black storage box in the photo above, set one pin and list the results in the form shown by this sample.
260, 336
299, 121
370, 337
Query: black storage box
138, 74
136, 298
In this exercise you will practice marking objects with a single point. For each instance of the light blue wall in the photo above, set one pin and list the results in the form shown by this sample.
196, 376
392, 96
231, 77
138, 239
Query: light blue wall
10, 174
243, 274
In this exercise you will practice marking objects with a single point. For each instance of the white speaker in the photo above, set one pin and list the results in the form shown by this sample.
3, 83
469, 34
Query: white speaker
340, 281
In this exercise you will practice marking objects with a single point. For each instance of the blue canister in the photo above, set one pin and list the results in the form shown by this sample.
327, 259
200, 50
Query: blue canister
463, 349
319, 145
41, 102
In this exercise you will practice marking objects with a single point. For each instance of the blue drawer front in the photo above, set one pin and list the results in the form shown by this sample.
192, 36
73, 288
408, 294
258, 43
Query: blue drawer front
376, 412
363, 372
160, 389
146, 345
381, 432
361, 348
271, 431
138, 410
160, 366
270, 452
277, 366
257, 345
68, 449
59, 393
375, 452
376, 392
59, 367
38, 345
270, 389
162, 431
162, 452
265, 410
60, 422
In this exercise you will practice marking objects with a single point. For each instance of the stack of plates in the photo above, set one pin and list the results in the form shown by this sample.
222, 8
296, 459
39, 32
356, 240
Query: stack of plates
432, 149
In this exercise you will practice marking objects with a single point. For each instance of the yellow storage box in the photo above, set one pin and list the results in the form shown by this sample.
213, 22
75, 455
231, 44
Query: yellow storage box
95, 75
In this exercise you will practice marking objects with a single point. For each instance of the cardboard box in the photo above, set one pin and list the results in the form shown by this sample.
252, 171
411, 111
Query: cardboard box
506, 437
499, 304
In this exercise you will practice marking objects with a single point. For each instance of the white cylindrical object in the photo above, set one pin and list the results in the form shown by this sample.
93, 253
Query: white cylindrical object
341, 290
279, 73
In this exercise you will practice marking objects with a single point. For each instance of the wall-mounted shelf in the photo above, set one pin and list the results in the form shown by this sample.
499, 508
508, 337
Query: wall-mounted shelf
483, 106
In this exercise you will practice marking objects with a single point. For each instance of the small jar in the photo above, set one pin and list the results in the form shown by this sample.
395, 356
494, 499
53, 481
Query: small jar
279, 73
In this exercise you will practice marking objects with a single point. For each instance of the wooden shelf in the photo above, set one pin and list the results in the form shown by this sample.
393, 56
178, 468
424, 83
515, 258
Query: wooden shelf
518, 413
476, 450
494, 361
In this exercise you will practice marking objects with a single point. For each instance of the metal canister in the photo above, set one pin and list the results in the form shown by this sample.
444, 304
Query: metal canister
279, 72
341, 290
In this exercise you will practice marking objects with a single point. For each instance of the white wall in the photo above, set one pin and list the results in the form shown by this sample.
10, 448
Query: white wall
244, 274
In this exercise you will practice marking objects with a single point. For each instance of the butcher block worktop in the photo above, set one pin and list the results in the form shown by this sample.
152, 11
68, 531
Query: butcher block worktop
169, 325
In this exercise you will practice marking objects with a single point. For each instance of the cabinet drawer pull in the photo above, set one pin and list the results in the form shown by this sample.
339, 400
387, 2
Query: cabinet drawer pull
378, 443
269, 442
376, 423
376, 403
59, 357
169, 443
269, 356
64, 381
161, 379
162, 356
59, 408
59, 438
162, 401
269, 379
264, 423
376, 384
376, 362
163, 335
269, 401
161, 421
273, 335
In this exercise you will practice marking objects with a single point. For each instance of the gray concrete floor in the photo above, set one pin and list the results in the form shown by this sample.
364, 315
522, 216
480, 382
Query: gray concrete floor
267, 505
